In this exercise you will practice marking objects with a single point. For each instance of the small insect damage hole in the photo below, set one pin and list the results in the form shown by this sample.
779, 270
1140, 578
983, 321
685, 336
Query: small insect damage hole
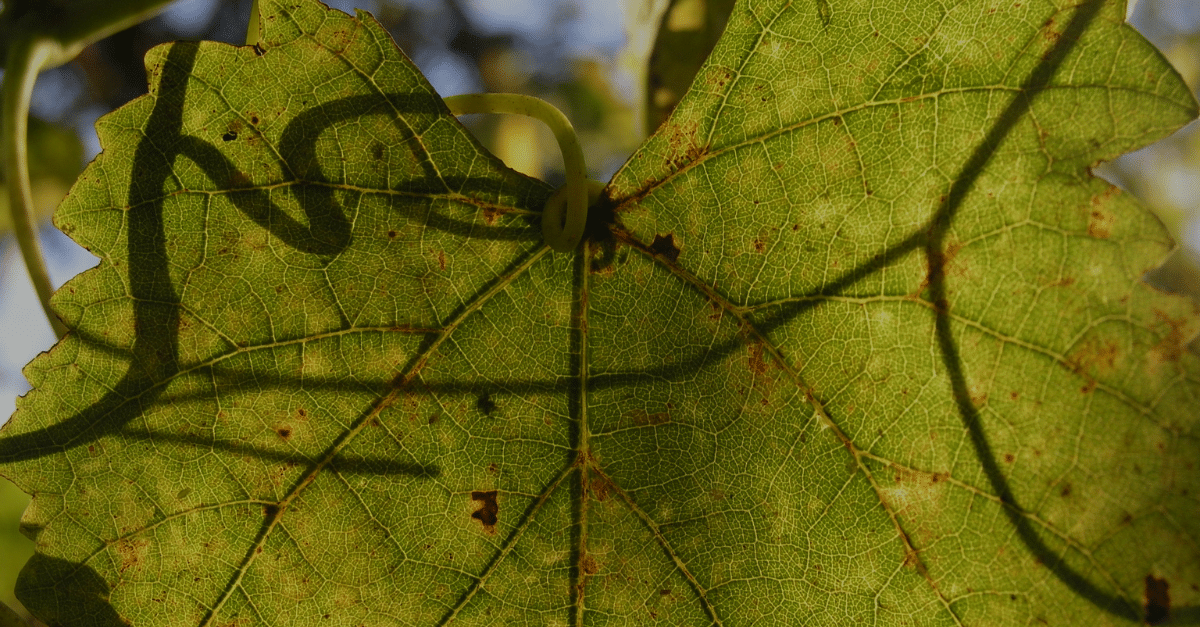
1158, 600
664, 246
489, 509
485, 404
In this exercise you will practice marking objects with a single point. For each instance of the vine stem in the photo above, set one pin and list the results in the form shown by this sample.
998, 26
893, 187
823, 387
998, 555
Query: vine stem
46, 35
26, 56
562, 233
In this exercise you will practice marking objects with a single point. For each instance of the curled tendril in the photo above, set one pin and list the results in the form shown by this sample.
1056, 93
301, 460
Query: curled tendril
565, 213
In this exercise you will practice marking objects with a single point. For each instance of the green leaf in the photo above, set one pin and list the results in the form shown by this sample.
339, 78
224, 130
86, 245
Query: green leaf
855, 338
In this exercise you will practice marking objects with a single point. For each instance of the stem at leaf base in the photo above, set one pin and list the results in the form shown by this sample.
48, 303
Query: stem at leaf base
563, 234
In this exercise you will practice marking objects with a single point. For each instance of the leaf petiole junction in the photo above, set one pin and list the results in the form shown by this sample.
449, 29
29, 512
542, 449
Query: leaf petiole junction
562, 232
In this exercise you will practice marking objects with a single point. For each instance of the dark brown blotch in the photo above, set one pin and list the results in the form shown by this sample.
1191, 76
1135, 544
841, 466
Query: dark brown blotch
485, 404
1158, 600
664, 246
489, 509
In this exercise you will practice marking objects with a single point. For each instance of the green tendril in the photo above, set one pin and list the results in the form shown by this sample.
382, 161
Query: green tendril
565, 213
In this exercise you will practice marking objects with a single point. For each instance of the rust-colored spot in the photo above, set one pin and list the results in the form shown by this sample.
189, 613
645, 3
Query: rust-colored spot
302, 413
1172, 346
642, 418
759, 245
1009, 457
683, 143
493, 469
1049, 33
1095, 358
664, 246
391, 235
588, 565
1066, 490
488, 511
600, 488
284, 432
1100, 224
1158, 600
132, 553
757, 360
1014, 395
978, 398
442, 260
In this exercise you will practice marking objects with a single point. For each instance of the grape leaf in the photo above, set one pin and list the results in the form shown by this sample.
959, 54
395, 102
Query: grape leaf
854, 338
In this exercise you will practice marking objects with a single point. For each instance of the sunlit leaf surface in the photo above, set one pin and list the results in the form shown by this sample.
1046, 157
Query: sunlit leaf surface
855, 339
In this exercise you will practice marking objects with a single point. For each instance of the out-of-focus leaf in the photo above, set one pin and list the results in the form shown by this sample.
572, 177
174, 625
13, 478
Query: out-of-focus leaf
15, 549
55, 158
686, 35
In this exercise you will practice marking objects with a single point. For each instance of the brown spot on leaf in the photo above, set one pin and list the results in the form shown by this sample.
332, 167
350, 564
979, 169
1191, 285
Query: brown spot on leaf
284, 432
588, 565
664, 246
1066, 490
757, 360
1009, 458
1095, 357
488, 511
643, 418
1158, 600
1172, 346
132, 553
1100, 223
683, 143
600, 488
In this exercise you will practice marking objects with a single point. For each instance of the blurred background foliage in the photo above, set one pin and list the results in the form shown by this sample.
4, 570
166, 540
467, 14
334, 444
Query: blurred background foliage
615, 68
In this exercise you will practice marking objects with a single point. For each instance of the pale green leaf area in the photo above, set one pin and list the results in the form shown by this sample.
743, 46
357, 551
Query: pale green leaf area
855, 338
